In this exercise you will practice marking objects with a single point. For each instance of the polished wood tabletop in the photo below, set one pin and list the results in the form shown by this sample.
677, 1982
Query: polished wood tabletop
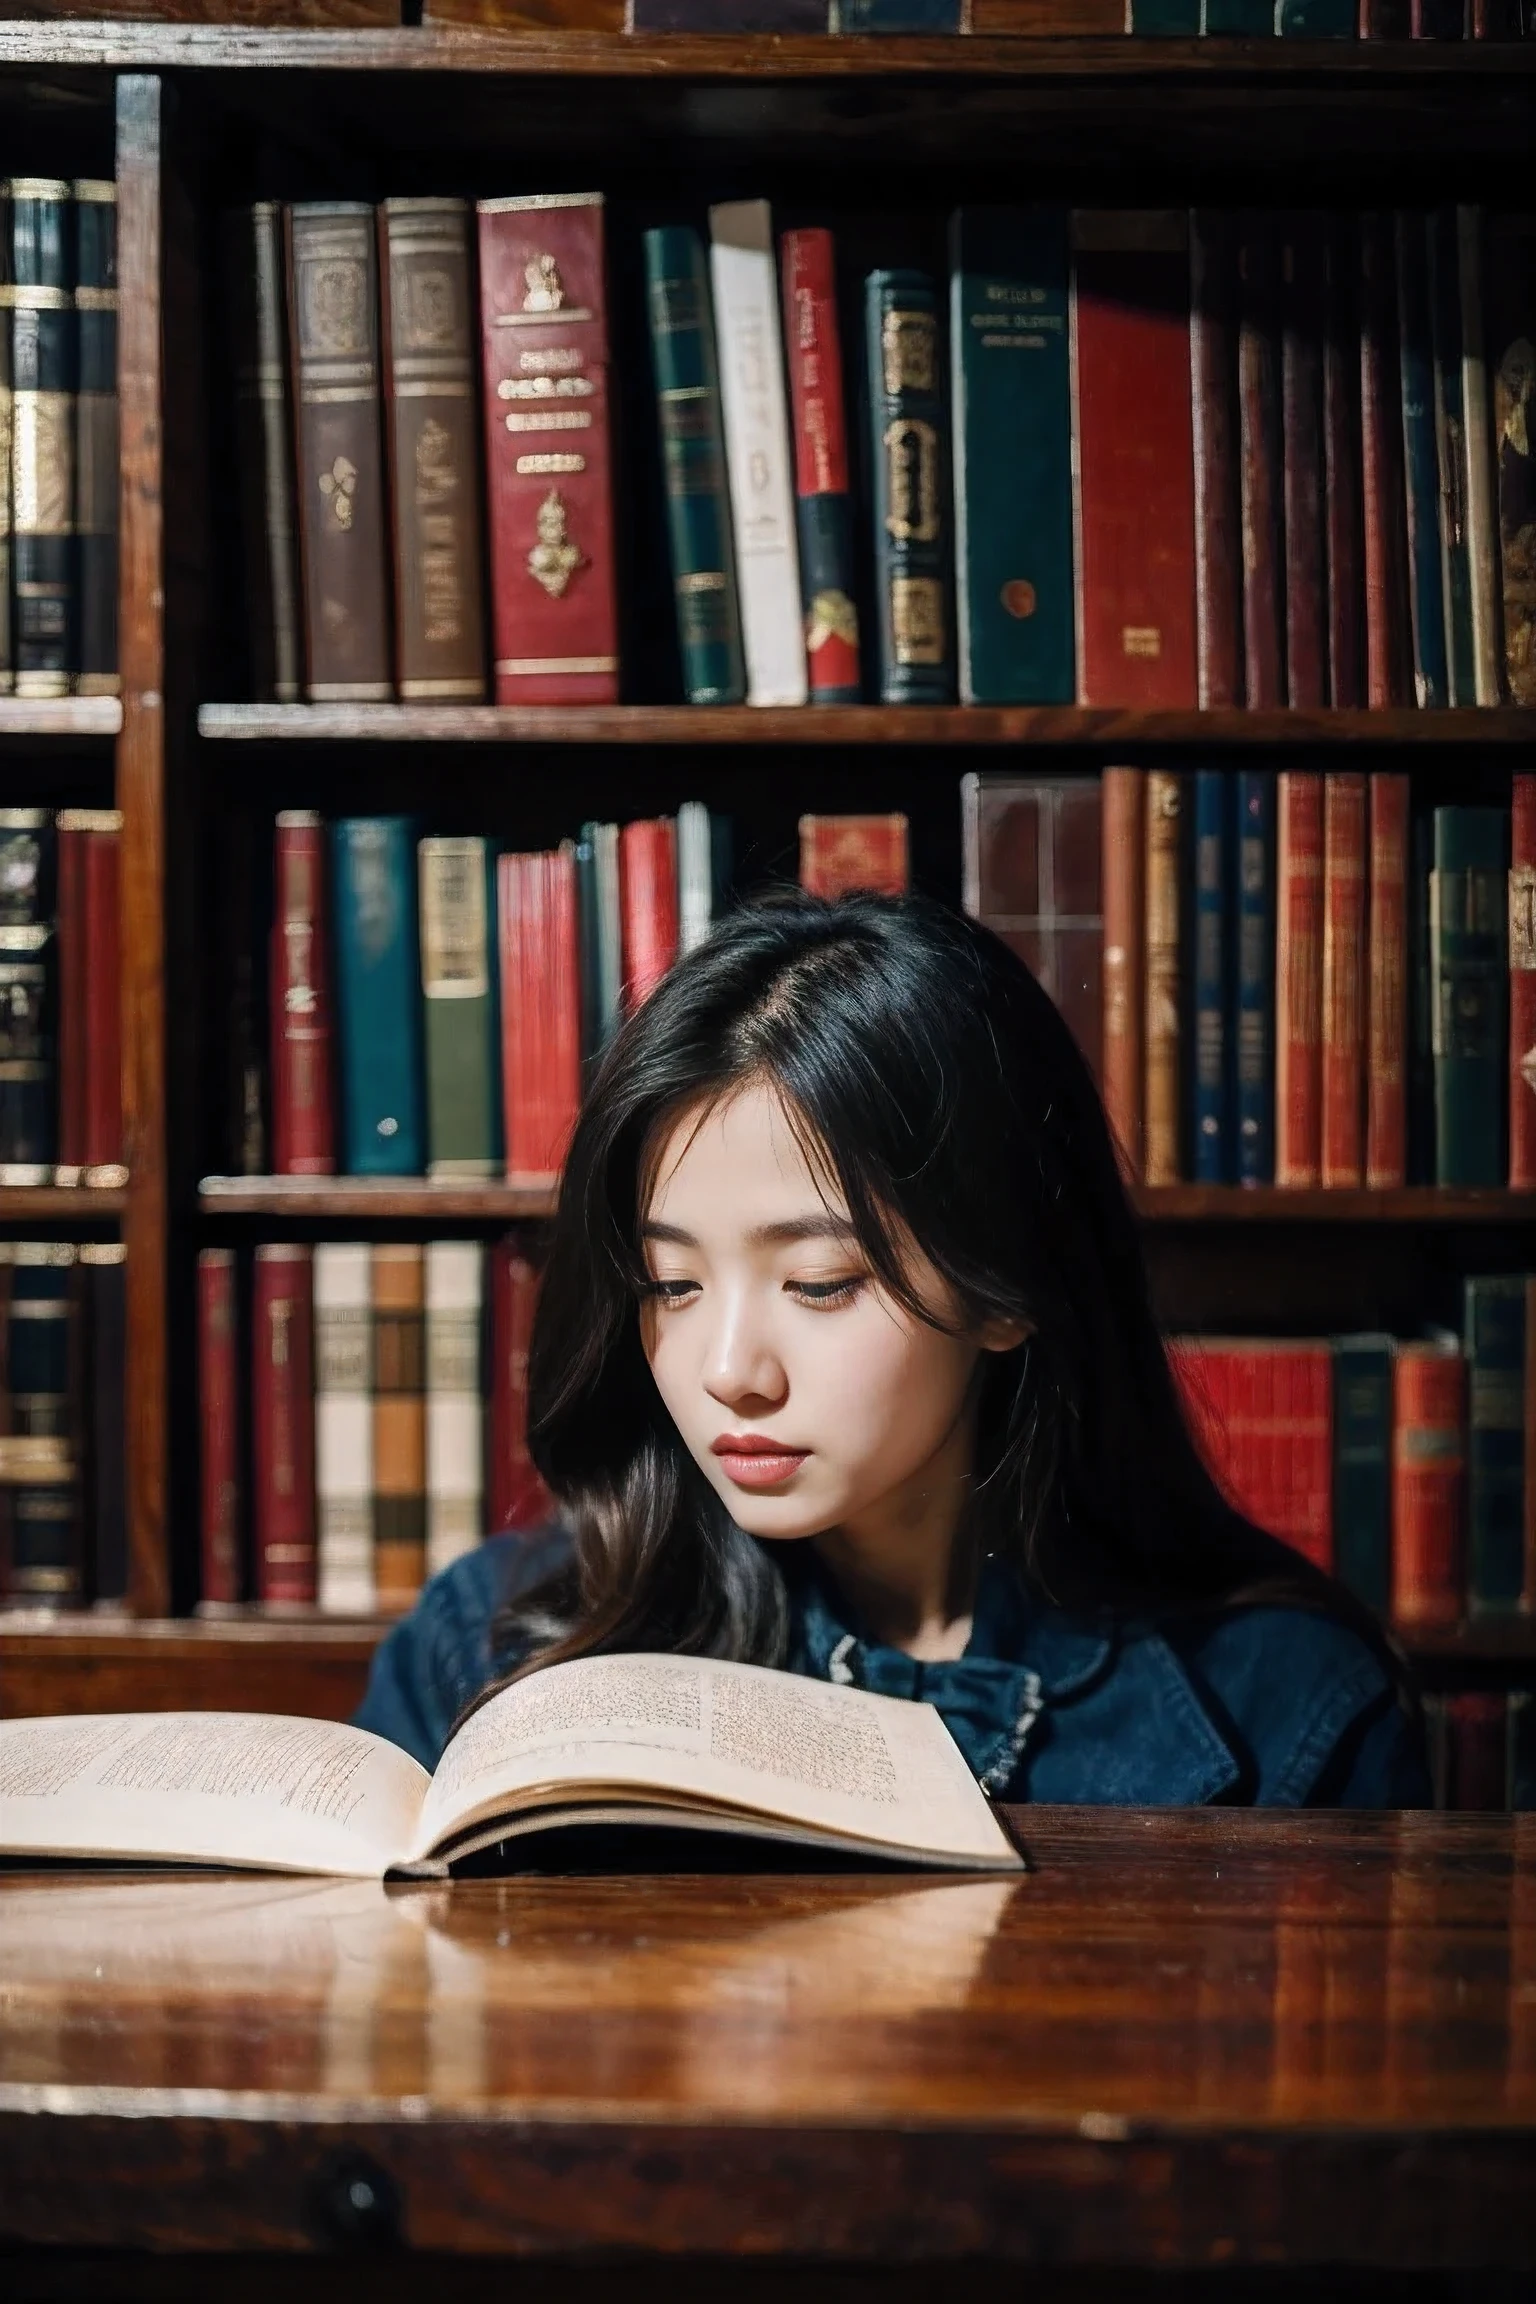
1182, 2039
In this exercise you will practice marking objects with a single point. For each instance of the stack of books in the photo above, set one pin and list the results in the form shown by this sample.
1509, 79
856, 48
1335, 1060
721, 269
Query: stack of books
60, 988
1046, 19
63, 1531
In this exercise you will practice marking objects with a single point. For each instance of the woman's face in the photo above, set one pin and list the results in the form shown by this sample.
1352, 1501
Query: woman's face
806, 1394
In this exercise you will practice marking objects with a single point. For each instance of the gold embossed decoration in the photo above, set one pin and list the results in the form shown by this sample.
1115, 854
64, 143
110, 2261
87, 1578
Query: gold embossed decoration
832, 617
554, 559
338, 487
909, 351
546, 289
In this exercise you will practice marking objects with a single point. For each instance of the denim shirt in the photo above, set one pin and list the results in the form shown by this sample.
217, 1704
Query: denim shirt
1267, 1706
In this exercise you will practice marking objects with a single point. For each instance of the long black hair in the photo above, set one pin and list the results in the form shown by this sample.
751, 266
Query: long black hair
934, 1084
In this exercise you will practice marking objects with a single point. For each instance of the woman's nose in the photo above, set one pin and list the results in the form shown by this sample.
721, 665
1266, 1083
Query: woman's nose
743, 1367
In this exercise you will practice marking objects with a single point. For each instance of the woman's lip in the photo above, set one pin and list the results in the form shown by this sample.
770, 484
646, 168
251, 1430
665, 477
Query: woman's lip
753, 1444
760, 1468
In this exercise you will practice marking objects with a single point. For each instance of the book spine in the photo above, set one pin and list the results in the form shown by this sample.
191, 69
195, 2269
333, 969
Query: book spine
1261, 464
1315, 19
1342, 512
1476, 1732
1451, 455
96, 449
751, 353
930, 16
1124, 868
1509, 281
303, 1128
103, 1268
841, 855
541, 1012
7, 443
728, 15
1493, 1340
1302, 296
399, 1422
44, 375
1421, 466
1299, 980
1213, 1161
1384, 19
1494, 20
1238, 20
258, 320
1033, 872
1164, 19
824, 506
1381, 468
1134, 443
695, 875
28, 1054
648, 904
516, 1497
1386, 1056
457, 901
1522, 985
1218, 505
1342, 1159
1428, 1475
1164, 976
373, 885
219, 1457
74, 1047
334, 334
427, 327
1520, 1783
283, 1423
1421, 1003
1362, 1467
1254, 798
343, 1424
42, 1457
682, 336
1482, 527
102, 1139
1011, 396
1437, 19
1469, 925
455, 1282
909, 442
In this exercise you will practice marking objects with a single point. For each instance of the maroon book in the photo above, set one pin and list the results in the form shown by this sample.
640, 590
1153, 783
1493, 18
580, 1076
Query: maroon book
303, 1117
1344, 534
1032, 848
647, 904
219, 1449
1302, 275
90, 987
1218, 508
842, 854
283, 1422
1383, 497
1260, 460
516, 1497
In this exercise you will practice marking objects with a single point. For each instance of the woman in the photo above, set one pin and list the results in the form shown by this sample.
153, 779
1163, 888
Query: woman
844, 1362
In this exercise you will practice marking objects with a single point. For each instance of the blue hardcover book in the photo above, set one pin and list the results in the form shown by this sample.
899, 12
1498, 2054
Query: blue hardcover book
1316, 20
1421, 457
896, 15
1212, 1129
1362, 1467
378, 1004
1166, 19
1253, 1041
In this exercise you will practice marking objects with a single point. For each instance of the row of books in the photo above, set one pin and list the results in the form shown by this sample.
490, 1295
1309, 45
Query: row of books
1073, 19
1482, 1747
1315, 417
63, 1530
1279, 978
60, 989
59, 450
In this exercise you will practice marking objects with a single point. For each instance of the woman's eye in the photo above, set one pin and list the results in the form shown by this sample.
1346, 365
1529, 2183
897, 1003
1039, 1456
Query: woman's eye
672, 1291
828, 1291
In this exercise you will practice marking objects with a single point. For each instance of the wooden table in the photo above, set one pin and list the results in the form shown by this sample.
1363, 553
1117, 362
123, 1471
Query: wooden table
1192, 2039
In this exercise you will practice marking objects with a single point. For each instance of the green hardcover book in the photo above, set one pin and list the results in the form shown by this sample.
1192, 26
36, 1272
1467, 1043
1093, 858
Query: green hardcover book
1469, 944
456, 879
914, 557
1493, 1339
1317, 19
1362, 1467
693, 466
1012, 399
1239, 19
1165, 19
1451, 443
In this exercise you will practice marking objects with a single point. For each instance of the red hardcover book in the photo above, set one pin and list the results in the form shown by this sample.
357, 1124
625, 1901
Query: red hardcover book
74, 1038
283, 1422
1261, 463
1342, 519
1382, 487
90, 984
1263, 1413
544, 321
1344, 1008
1428, 1478
813, 353
1124, 873
1299, 980
303, 1117
219, 1460
516, 1497
647, 904
840, 855
1135, 469
1218, 506
540, 1011
1386, 1041
1302, 295
1522, 985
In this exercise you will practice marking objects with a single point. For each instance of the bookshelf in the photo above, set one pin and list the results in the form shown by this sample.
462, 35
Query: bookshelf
663, 122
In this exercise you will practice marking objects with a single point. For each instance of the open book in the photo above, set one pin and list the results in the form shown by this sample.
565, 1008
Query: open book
680, 1741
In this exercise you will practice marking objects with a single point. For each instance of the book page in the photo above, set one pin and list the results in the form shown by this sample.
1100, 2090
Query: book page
730, 1735
208, 1787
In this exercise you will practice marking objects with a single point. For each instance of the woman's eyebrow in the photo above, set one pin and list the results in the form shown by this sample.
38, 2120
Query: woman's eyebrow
788, 1230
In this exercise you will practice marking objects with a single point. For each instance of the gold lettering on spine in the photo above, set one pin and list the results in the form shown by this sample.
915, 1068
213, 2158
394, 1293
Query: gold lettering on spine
909, 352
912, 480
917, 619
436, 486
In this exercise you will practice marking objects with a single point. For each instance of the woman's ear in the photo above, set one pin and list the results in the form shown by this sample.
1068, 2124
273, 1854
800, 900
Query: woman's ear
1002, 1335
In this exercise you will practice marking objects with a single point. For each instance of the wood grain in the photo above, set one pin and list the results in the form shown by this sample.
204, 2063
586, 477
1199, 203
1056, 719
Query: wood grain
262, 13
68, 1204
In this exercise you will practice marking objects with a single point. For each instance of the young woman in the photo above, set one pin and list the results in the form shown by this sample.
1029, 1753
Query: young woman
844, 1362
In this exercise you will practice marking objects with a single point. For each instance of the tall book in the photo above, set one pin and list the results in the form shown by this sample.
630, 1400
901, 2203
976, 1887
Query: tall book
96, 431
1299, 979
373, 905
516, 1497
549, 456
1012, 409
42, 1457
1362, 1467
457, 895
31, 1091
1134, 458
847, 855
1031, 871
910, 494
703, 556
602, 937
1387, 984
334, 339
1213, 406
1421, 463
1213, 972
90, 992
258, 326
1494, 1343
1122, 1076
455, 1278
1303, 289
1261, 462
1262, 1409
1345, 843
1522, 984
823, 504
1451, 453
647, 863
1343, 518
1253, 797
751, 353
1387, 674
399, 1421
426, 313
221, 1578
1428, 1481
1469, 936
1164, 978
283, 1423
1421, 1002
343, 1422
103, 1278
303, 1124
44, 381
1509, 308
1481, 521
540, 961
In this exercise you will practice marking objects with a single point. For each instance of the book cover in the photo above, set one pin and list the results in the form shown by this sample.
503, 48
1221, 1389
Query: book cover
343, 1424
549, 450
258, 331
516, 1497
32, 1095
1421, 465
42, 1467
1493, 1342
1362, 1467
1421, 1002
283, 1423
73, 964
1031, 871
456, 887
1342, 1160
1469, 935
1387, 984
1388, 678
455, 1280
682, 333
1451, 453
96, 429
303, 1121
1522, 984
1303, 287
103, 1273
1011, 396
90, 1140
647, 861
1299, 979
1213, 408
399, 1421
842, 855
1481, 524
1509, 307
1213, 972
910, 445
1262, 1412
218, 1359
1343, 517
373, 888
1165, 964
1122, 1075
541, 1011
823, 503
1253, 795
1134, 463
1261, 462
44, 382
1428, 1482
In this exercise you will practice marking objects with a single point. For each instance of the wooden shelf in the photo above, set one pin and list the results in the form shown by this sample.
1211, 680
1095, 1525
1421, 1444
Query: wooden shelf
1479, 1640
60, 1203
65, 717
1272, 1204
409, 1199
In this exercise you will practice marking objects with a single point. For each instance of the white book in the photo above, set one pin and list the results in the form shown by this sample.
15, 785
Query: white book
455, 1409
695, 875
344, 1426
744, 277
1482, 533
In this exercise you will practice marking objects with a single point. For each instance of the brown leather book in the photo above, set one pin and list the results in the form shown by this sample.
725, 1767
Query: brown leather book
283, 1421
334, 332
258, 315
219, 1449
1299, 980
1522, 984
1344, 1011
841, 854
1386, 1025
1124, 872
1218, 506
1164, 984
427, 322
1302, 270
90, 1036
1509, 304
1382, 487
1343, 529
399, 1421
1260, 463
1031, 851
